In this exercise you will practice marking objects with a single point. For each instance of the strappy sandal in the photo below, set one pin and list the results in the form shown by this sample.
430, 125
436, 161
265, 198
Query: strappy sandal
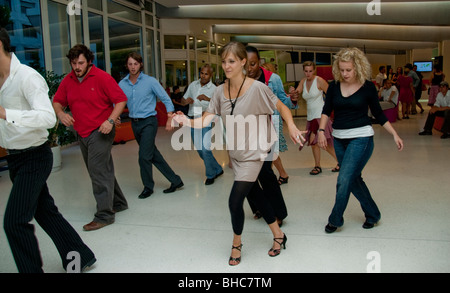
336, 169
276, 252
316, 170
283, 180
235, 259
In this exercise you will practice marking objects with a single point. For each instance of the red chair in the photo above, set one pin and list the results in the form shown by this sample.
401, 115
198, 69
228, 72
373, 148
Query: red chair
438, 122
161, 113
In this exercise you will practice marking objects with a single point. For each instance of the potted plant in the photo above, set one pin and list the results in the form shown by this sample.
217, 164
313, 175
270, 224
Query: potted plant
60, 134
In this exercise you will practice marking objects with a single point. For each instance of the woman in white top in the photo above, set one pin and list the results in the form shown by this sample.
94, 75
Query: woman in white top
312, 88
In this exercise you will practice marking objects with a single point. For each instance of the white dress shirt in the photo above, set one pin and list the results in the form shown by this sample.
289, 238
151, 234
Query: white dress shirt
443, 101
195, 89
29, 112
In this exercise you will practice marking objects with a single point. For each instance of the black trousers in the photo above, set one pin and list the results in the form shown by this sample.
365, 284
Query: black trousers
264, 195
145, 133
272, 192
431, 117
30, 198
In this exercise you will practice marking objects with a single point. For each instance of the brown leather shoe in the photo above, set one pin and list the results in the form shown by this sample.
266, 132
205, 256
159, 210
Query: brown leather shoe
94, 226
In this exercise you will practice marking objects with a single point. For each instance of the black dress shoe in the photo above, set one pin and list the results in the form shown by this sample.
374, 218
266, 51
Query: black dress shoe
368, 225
221, 172
173, 187
88, 264
210, 181
145, 193
330, 228
425, 132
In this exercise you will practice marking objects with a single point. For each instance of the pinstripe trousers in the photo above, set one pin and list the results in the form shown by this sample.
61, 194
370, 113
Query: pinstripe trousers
30, 198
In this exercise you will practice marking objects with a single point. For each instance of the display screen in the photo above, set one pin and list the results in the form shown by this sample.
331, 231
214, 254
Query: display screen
424, 66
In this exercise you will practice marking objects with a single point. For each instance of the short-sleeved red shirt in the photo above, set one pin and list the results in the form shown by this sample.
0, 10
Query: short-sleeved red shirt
90, 101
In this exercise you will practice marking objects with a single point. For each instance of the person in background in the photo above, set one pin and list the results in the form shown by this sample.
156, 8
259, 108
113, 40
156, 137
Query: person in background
416, 81
388, 95
198, 96
96, 102
441, 108
273, 81
142, 91
406, 92
418, 92
437, 76
349, 97
25, 115
381, 76
312, 88
177, 100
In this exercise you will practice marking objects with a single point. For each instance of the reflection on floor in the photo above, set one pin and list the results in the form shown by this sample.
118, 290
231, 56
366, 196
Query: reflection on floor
189, 231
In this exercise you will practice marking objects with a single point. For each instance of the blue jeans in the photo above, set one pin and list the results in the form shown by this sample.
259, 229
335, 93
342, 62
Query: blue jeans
352, 155
201, 138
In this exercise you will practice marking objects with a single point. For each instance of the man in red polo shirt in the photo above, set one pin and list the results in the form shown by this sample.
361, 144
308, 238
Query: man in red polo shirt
95, 101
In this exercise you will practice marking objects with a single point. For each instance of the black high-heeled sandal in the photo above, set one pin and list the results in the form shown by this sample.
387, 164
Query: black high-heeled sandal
235, 259
283, 180
282, 245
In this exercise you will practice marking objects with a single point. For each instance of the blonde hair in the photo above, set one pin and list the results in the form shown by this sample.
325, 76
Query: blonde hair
237, 49
363, 70
309, 63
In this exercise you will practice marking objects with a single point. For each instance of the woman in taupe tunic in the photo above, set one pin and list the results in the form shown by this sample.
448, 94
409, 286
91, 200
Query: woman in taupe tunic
246, 108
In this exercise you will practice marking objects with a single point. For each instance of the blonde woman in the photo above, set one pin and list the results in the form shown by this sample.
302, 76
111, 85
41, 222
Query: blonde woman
243, 96
349, 97
312, 88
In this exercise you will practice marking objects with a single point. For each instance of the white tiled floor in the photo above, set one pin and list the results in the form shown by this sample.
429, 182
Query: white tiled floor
189, 231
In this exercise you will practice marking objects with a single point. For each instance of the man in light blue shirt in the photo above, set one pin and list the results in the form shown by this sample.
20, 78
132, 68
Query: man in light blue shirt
197, 96
142, 91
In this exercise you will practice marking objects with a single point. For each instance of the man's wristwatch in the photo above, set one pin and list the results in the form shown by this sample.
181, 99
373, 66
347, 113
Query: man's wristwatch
111, 121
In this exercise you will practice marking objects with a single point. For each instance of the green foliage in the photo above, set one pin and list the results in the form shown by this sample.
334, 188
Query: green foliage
60, 134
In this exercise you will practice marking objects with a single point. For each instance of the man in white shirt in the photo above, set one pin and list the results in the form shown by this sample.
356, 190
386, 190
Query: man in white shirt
197, 96
381, 76
25, 115
441, 108
389, 94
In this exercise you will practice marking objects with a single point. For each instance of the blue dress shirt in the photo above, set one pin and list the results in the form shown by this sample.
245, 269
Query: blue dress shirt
142, 96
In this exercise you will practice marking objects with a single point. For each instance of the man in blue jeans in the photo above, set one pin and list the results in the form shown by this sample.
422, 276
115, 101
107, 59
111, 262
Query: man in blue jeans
198, 96
142, 91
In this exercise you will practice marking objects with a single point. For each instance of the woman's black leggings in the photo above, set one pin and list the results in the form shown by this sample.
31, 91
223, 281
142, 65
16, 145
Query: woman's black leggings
239, 191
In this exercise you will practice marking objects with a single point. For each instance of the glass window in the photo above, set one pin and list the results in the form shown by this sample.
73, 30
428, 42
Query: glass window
176, 73
60, 39
26, 42
150, 55
193, 72
148, 6
174, 42
202, 46
97, 44
95, 4
124, 12
323, 58
191, 43
148, 20
307, 56
124, 38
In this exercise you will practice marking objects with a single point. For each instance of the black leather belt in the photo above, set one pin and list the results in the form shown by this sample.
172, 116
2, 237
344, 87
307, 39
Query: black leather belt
16, 152
140, 119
